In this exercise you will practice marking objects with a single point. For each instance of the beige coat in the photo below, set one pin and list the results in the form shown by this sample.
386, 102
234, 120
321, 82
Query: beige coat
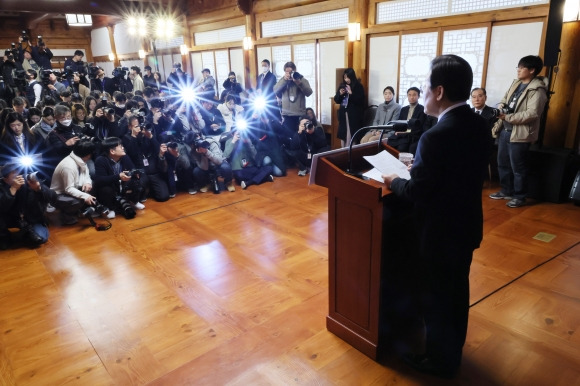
529, 109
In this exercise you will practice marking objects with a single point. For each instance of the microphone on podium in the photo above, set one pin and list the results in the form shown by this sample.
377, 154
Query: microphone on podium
399, 125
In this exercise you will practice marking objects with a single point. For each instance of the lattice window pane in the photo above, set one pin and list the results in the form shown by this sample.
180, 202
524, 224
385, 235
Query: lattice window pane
222, 61
417, 51
323, 21
169, 43
304, 58
470, 45
207, 60
280, 55
223, 35
399, 10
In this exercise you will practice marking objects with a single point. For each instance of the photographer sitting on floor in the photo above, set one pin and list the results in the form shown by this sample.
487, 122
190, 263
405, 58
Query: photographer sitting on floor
72, 182
117, 182
23, 200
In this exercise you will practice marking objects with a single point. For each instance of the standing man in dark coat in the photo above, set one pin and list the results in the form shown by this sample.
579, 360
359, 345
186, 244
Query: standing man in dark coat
351, 97
446, 189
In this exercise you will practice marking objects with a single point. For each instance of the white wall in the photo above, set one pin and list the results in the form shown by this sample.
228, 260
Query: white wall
124, 42
509, 43
100, 42
332, 56
383, 67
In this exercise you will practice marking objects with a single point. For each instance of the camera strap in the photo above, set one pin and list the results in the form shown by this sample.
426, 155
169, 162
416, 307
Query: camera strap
100, 227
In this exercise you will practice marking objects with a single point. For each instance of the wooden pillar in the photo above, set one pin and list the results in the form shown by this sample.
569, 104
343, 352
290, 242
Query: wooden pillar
250, 56
357, 51
187, 40
563, 120
111, 29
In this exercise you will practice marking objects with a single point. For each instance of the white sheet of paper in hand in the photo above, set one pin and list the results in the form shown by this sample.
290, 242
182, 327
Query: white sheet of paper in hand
387, 164
374, 174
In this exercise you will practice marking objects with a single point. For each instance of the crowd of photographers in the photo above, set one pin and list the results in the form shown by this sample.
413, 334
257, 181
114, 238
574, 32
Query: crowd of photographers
88, 145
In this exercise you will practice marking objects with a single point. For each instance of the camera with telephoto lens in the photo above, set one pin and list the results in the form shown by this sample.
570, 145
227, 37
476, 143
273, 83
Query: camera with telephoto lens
296, 75
126, 208
497, 112
132, 189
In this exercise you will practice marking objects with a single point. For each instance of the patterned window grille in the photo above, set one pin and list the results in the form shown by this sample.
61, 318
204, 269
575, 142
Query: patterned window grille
323, 21
402, 10
224, 35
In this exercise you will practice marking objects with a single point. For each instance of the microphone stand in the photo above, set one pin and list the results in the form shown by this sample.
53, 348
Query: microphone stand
389, 126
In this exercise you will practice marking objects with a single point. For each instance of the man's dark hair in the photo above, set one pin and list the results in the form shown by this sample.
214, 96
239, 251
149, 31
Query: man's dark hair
48, 112
31, 74
120, 97
65, 94
266, 61
136, 69
109, 143
532, 62
291, 65
137, 92
157, 103
147, 68
479, 88
454, 74
149, 92
230, 97
416, 89
83, 148
79, 53
18, 101
131, 119
206, 70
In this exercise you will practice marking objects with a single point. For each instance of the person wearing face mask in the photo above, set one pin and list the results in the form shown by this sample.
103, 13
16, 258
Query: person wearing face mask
120, 101
265, 87
62, 138
46, 123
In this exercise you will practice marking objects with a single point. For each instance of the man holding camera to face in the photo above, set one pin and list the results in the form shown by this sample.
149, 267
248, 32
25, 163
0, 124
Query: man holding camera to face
23, 200
209, 164
147, 154
293, 89
42, 54
306, 142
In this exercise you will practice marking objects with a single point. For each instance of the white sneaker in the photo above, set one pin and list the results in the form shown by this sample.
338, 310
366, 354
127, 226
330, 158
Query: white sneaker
138, 206
109, 215
50, 208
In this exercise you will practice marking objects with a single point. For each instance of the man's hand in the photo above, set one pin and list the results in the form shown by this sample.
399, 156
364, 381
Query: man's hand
389, 179
124, 177
215, 126
72, 141
99, 113
90, 200
16, 184
236, 137
33, 184
51, 87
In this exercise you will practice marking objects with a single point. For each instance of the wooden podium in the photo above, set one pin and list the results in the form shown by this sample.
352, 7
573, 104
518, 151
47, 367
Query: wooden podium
355, 243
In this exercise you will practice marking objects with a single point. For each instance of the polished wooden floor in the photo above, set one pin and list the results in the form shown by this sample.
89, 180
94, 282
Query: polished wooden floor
231, 289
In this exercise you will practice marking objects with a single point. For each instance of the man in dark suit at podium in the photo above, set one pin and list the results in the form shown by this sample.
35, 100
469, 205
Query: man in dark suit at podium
446, 189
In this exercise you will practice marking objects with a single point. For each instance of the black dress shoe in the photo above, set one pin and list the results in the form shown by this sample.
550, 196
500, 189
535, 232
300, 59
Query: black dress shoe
425, 365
